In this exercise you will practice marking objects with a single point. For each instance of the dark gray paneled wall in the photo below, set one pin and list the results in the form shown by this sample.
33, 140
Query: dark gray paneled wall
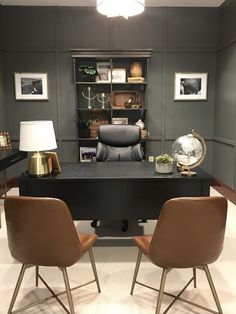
3, 123
224, 161
227, 23
38, 39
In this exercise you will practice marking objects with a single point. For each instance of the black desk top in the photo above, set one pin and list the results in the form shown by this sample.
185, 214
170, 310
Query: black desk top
10, 156
114, 171
114, 190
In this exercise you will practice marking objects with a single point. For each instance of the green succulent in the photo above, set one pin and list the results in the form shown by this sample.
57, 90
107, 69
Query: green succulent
87, 70
84, 123
164, 158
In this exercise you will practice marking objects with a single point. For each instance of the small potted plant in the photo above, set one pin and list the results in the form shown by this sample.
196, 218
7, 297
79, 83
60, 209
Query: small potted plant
83, 126
164, 163
87, 73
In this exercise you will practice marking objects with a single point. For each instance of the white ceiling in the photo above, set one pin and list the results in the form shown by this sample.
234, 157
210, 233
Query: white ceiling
151, 3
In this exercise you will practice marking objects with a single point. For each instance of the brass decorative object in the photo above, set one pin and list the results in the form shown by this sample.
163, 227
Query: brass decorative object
136, 69
89, 94
103, 98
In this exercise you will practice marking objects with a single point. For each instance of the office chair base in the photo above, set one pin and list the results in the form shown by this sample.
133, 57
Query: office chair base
125, 226
94, 223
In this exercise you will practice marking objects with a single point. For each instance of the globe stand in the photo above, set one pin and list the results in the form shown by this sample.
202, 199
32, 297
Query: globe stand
185, 171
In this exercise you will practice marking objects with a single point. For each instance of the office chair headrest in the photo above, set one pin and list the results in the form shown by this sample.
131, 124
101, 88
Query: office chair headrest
119, 135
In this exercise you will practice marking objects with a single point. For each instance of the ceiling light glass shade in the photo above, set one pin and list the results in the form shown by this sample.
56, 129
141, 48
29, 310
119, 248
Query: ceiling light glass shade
36, 136
125, 8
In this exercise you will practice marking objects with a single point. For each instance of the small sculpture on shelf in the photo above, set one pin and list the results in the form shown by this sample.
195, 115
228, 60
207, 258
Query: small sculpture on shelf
103, 98
140, 123
130, 102
144, 133
89, 94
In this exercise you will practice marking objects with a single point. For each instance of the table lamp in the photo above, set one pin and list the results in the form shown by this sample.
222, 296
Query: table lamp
37, 137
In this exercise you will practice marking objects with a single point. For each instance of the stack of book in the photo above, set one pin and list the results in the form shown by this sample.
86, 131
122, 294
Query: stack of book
137, 79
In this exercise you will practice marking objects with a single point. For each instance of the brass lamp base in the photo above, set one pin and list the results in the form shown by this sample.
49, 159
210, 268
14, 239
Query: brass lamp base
38, 165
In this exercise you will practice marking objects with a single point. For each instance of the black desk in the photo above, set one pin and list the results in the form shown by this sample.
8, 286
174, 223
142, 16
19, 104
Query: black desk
109, 191
8, 158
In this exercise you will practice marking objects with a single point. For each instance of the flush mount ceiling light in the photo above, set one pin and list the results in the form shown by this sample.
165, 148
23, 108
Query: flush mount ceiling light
125, 8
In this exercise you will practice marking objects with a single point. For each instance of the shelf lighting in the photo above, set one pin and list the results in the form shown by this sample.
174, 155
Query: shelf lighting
125, 8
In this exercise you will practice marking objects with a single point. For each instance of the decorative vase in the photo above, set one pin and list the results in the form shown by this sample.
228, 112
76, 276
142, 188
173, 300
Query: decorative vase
164, 167
136, 69
140, 123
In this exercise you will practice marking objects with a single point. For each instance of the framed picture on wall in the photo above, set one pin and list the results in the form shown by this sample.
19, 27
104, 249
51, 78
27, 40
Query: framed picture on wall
190, 86
31, 86
5, 142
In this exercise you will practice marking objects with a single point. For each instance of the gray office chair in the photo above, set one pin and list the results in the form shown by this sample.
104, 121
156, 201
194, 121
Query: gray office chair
119, 143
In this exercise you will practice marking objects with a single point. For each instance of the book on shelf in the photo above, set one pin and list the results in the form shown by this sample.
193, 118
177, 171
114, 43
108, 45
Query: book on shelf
137, 79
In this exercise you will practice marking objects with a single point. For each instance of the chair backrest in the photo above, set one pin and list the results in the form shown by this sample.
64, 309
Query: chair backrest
189, 232
119, 143
41, 231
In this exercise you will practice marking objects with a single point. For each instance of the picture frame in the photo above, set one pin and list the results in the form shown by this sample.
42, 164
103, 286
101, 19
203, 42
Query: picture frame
54, 165
87, 154
5, 142
117, 76
119, 120
103, 69
31, 86
190, 86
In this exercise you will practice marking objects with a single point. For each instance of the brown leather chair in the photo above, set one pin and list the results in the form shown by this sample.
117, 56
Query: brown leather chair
189, 234
41, 232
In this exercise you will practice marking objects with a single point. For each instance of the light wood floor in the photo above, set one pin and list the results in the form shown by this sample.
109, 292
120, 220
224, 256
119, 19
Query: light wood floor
115, 257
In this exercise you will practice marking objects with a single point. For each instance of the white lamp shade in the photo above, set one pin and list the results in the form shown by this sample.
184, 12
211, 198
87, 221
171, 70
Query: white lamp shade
36, 136
125, 8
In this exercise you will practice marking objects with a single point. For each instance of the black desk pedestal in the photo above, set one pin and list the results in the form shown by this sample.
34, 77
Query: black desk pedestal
110, 191
8, 158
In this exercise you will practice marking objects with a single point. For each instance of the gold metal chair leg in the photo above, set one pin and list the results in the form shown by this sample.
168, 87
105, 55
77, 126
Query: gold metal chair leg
68, 291
17, 288
36, 276
195, 277
92, 260
5, 190
161, 290
213, 289
136, 271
